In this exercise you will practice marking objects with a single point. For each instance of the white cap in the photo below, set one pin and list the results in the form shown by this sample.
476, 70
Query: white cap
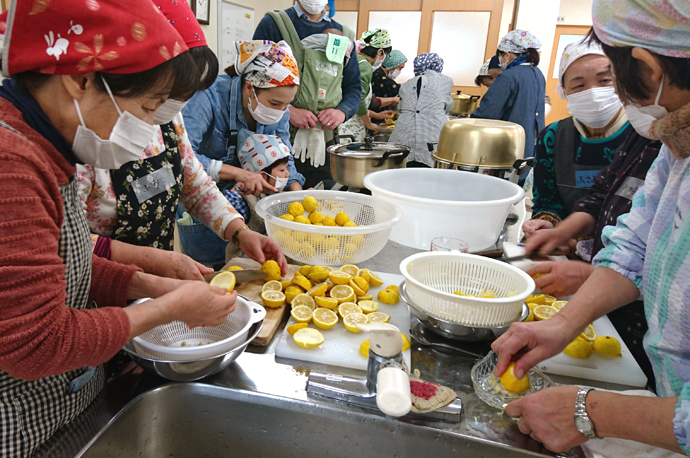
384, 339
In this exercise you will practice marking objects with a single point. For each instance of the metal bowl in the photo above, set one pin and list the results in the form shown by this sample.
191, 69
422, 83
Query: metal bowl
457, 331
189, 371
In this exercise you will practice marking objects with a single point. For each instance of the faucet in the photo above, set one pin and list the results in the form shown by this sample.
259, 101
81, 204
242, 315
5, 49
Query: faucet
386, 387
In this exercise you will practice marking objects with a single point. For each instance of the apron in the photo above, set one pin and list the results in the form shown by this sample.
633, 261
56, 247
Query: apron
355, 126
573, 180
154, 186
32, 411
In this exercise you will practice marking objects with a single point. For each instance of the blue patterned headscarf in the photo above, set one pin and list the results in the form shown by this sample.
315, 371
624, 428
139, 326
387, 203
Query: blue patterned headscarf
427, 61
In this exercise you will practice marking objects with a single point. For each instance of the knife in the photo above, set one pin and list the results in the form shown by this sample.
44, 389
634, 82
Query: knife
532, 255
241, 276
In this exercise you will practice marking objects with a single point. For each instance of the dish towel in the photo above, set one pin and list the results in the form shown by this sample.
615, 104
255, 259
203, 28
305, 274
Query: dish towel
615, 448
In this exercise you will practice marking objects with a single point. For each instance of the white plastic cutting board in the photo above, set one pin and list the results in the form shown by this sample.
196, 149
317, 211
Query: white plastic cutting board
623, 370
340, 346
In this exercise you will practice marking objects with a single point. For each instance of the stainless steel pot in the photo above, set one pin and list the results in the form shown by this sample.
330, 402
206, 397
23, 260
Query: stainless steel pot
352, 162
463, 104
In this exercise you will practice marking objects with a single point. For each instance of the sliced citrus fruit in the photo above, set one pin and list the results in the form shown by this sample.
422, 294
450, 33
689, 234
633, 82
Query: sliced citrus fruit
362, 283
308, 338
339, 278
355, 287
378, 317
559, 304
351, 321
272, 270
324, 318
293, 328
291, 292
539, 300
548, 300
513, 384
374, 279
304, 300
364, 273
285, 284
589, 334
579, 348
346, 308
544, 312
318, 290
304, 270
318, 274
343, 293
302, 281
302, 314
326, 302
273, 299
231, 268
368, 306
351, 269
364, 348
225, 280
366, 297
406, 342
388, 296
273, 285
394, 288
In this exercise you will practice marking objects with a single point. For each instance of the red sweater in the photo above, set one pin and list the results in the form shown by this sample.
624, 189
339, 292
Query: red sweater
39, 334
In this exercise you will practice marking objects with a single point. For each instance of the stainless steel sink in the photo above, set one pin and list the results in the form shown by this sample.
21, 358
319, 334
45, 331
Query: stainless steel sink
198, 420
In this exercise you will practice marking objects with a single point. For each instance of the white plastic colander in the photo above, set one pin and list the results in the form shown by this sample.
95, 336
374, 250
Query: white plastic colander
166, 342
432, 278
327, 245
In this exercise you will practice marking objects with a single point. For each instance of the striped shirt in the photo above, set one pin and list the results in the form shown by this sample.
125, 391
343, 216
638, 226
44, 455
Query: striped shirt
651, 247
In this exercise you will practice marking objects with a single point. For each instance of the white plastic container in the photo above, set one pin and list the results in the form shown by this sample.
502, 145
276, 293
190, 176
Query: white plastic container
176, 342
435, 203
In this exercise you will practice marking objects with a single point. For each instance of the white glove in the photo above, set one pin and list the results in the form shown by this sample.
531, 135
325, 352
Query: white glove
299, 147
317, 146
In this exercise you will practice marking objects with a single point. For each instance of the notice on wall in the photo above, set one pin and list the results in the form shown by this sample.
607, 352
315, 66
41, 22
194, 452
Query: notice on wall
235, 23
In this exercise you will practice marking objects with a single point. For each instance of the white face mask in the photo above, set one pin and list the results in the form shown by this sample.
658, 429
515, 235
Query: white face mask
642, 118
127, 141
547, 109
167, 111
280, 182
378, 62
263, 114
395, 74
314, 6
594, 107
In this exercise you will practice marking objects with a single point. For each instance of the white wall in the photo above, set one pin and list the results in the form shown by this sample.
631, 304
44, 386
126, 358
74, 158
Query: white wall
576, 12
260, 9
539, 18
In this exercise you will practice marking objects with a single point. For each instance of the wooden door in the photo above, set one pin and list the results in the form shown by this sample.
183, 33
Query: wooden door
564, 34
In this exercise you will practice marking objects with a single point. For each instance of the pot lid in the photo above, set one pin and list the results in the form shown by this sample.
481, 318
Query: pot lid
460, 96
366, 150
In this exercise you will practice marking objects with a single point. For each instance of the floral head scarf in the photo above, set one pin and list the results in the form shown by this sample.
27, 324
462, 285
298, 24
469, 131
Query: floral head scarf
266, 64
427, 61
661, 26
394, 59
571, 53
484, 70
380, 38
518, 42
72, 37
260, 151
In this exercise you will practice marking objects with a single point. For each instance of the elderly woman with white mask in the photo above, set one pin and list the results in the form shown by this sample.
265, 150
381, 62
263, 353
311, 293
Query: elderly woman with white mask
572, 151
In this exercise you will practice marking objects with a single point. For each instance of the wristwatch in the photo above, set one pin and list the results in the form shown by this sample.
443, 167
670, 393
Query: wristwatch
582, 420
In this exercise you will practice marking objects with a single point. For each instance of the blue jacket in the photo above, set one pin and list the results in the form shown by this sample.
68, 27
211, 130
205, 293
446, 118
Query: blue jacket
517, 95
207, 118
352, 86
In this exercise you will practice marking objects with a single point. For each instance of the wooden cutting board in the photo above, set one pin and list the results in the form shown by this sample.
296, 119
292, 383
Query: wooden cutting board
252, 290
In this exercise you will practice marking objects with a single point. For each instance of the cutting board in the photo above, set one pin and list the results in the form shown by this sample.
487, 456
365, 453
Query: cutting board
252, 290
623, 370
340, 346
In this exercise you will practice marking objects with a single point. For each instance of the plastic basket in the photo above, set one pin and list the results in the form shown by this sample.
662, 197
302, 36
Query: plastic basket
166, 342
326, 245
432, 278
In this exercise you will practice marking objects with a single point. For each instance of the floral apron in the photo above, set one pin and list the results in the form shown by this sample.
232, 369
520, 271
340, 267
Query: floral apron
355, 126
33, 410
147, 193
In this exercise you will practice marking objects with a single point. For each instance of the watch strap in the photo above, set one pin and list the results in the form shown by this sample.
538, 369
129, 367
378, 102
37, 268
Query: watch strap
581, 412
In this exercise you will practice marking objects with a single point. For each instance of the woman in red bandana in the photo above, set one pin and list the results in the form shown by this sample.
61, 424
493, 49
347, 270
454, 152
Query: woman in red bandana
87, 78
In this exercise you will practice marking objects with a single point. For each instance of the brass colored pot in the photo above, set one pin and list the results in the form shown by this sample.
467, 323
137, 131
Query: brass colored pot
481, 143
464, 105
